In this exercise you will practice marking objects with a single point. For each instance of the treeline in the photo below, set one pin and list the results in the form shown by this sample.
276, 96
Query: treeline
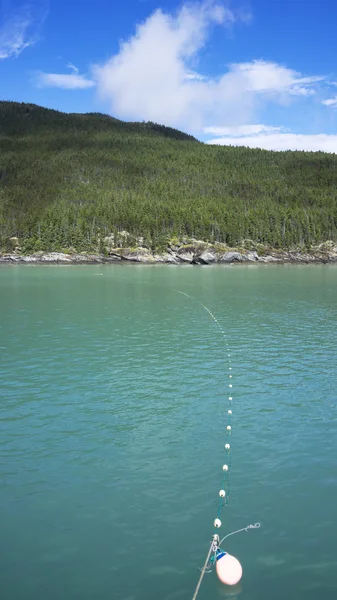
68, 180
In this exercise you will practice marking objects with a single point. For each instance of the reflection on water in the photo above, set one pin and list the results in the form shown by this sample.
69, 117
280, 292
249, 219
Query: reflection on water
233, 592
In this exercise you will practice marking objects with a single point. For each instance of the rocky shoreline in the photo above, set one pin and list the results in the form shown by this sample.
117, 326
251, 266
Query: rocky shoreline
193, 253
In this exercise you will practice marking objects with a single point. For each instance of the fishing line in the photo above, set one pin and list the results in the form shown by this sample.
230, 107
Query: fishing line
228, 568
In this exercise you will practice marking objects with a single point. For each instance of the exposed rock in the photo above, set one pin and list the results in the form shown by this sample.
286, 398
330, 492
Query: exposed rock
205, 258
328, 246
167, 257
191, 252
268, 258
251, 256
119, 252
228, 257
55, 257
172, 248
328, 250
87, 258
8, 258
113, 256
142, 255
185, 254
333, 254
30, 259
304, 257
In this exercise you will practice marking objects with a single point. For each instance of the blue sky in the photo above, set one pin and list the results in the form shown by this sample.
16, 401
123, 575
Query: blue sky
259, 73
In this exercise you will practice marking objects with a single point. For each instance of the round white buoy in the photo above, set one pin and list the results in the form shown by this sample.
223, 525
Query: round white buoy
228, 569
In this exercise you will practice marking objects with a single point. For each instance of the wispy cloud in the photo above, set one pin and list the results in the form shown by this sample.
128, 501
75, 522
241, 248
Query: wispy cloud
72, 67
242, 130
282, 141
194, 75
65, 81
154, 75
269, 77
330, 102
19, 29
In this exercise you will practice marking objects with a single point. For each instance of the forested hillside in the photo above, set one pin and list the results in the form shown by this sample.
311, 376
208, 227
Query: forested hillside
69, 180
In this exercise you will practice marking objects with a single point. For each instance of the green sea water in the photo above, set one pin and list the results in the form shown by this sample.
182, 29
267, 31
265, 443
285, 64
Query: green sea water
113, 422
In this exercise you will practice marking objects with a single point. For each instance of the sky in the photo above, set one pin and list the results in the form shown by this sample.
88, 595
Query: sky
258, 73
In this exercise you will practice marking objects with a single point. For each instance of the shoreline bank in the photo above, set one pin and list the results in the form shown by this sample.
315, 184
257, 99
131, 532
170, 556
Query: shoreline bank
188, 255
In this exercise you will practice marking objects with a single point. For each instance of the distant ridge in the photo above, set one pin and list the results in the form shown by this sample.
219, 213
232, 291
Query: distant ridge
16, 117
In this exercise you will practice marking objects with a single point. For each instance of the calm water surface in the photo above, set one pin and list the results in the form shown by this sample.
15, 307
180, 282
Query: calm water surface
113, 401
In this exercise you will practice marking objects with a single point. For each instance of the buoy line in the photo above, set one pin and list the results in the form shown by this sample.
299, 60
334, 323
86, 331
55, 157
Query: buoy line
228, 568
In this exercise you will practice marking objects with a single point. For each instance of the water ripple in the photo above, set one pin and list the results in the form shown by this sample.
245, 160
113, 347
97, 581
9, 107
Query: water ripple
113, 419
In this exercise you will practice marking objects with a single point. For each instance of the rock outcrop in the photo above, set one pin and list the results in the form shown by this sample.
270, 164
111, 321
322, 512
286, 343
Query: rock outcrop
193, 252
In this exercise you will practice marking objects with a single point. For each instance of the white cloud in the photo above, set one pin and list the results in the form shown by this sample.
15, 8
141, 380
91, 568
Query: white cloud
194, 75
150, 78
282, 141
74, 81
65, 81
241, 130
330, 102
72, 67
262, 76
19, 30
154, 76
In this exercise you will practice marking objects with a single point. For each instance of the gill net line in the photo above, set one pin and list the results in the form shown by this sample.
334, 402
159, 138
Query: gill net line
224, 492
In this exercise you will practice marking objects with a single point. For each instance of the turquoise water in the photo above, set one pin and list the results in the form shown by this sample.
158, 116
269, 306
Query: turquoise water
113, 401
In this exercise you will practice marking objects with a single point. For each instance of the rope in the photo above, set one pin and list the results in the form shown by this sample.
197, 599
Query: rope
256, 526
224, 492
203, 570
207, 309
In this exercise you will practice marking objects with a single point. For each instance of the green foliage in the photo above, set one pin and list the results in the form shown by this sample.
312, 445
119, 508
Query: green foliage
68, 180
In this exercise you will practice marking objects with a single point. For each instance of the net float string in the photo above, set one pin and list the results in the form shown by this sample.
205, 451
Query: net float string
228, 567
224, 491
